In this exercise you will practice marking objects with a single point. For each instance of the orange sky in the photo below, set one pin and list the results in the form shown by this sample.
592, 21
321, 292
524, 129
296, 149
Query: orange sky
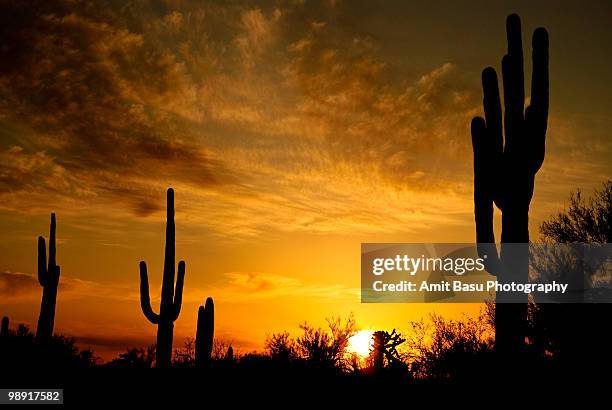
291, 131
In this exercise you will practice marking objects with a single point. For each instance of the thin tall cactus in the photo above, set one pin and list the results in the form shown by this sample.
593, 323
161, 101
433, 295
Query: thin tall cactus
205, 333
505, 167
48, 277
171, 298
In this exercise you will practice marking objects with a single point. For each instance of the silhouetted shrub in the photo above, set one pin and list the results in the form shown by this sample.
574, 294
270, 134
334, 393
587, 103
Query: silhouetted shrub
137, 358
281, 347
450, 349
586, 220
326, 349
21, 350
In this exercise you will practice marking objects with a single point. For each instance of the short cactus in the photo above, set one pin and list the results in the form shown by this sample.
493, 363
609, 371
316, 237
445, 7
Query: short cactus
171, 299
205, 333
48, 277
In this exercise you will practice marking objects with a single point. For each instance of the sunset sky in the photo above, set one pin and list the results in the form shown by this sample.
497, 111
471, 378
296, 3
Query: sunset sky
291, 131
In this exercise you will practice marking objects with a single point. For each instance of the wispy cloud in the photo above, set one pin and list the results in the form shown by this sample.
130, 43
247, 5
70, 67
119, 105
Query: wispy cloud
266, 118
255, 286
19, 287
238, 286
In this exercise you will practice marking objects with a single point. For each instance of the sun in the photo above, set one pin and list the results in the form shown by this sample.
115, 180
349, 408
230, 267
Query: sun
360, 343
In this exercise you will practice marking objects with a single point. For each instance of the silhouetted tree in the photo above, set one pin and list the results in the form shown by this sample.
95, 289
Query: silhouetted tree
326, 349
185, 357
48, 277
450, 349
586, 220
281, 347
575, 332
138, 358
505, 165
170, 306
21, 350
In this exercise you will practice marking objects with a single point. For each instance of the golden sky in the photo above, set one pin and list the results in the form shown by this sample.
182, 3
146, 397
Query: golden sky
291, 131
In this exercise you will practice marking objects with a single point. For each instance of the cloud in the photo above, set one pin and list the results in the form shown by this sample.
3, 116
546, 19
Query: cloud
94, 110
255, 286
113, 343
265, 118
19, 287
244, 286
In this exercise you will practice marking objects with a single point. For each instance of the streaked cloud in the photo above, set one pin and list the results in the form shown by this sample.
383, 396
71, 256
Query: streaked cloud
20, 287
265, 118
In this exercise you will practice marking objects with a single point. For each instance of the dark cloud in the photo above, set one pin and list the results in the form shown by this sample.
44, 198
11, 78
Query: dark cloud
115, 342
252, 104
82, 94
17, 286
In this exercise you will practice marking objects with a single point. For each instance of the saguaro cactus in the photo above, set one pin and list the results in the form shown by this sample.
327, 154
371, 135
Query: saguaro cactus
4, 330
171, 299
48, 277
505, 167
205, 333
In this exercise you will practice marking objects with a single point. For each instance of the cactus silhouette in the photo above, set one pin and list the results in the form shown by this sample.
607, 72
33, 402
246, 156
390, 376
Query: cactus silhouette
4, 330
171, 299
48, 277
229, 356
378, 350
384, 346
205, 333
505, 165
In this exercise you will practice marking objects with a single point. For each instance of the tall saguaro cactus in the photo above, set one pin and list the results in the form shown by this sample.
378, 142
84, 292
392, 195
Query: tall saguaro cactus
171, 298
205, 333
505, 167
48, 277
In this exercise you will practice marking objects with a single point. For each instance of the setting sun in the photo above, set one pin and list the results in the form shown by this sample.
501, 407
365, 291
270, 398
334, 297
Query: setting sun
360, 343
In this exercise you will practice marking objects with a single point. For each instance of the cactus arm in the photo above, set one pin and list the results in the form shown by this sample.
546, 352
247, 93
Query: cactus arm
536, 115
56, 275
169, 257
178, 293
42, 261
493, 115
52, 247
205, 332
487, 142
199, 345
145, 301
514, 85
209, 326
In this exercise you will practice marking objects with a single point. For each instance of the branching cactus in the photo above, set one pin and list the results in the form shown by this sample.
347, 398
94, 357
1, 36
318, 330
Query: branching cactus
4, 330
505, 164
171, 299
205, 333
48, 277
